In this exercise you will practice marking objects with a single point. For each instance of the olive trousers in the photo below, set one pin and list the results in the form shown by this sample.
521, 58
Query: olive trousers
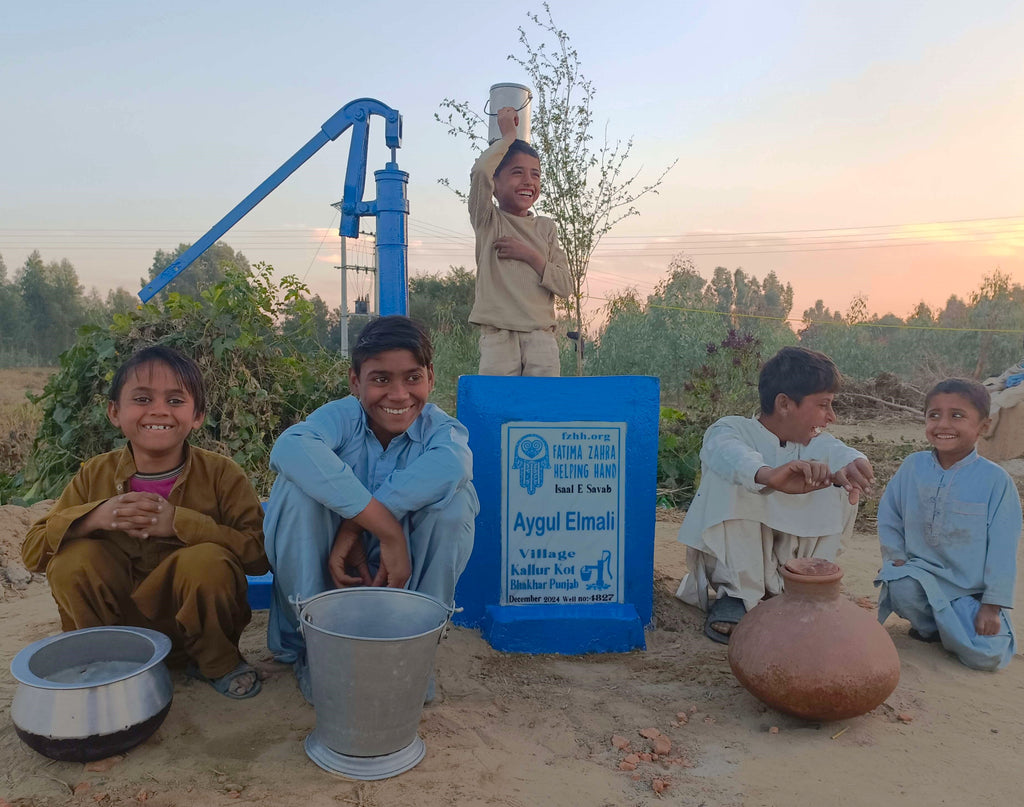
195, 594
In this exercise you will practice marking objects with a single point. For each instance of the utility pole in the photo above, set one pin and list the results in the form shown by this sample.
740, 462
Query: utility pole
373, 304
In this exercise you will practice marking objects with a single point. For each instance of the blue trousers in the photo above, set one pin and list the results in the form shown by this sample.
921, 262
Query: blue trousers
954, 624
299, 542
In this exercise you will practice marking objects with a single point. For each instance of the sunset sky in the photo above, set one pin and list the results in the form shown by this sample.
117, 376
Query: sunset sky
855, 147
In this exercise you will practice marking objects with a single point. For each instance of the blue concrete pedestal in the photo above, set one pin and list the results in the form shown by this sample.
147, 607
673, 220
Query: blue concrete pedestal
566, 629
261, 588
565, 468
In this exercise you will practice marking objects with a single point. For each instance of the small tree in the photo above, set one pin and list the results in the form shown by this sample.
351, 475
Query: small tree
587, 188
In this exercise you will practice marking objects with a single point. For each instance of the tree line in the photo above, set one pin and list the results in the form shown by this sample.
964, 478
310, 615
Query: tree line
43, 304
668, 332
665, 333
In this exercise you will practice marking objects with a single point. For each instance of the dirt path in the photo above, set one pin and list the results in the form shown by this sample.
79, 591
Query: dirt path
535, 730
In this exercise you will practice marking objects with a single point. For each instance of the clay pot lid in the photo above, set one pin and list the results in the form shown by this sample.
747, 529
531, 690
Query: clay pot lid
812, 567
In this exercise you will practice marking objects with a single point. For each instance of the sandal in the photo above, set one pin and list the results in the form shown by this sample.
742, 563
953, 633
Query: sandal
223, 684
723, 609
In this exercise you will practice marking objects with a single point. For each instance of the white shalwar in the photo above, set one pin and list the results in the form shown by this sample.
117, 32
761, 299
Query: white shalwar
739, 533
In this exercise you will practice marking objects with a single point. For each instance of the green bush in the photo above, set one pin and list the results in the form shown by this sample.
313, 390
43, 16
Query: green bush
679, 441
257, 382
725, 384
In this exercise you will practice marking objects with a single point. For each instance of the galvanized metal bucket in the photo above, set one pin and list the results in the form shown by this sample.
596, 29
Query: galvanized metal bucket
516, 96
371, 656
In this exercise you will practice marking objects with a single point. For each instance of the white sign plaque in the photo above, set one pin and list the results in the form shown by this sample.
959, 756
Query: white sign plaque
562, 492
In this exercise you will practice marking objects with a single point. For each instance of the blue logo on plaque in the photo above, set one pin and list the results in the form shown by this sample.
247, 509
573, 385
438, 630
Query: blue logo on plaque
602, 567
531, 458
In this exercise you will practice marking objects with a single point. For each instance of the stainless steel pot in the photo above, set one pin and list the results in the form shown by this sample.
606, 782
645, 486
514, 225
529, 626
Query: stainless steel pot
91, 693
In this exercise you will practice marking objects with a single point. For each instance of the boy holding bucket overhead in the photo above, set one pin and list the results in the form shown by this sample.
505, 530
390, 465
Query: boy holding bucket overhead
372, 490
520, 267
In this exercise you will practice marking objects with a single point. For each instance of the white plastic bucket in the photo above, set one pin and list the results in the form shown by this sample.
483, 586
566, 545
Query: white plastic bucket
371, 656
516, 96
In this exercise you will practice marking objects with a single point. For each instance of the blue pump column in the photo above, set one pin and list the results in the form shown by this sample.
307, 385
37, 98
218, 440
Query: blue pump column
392, 239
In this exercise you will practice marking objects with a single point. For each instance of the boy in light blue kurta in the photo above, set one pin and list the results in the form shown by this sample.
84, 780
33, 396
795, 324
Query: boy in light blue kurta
374, 489
949, 523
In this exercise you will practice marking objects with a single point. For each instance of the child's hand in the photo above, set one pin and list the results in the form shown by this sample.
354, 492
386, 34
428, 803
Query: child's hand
395, 568
987, 622
856, 478
508, 120
348, 552
163, 527
138, 514
510, 248
796, 476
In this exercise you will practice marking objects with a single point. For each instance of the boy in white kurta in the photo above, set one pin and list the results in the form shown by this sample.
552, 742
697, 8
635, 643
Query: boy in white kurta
773, 488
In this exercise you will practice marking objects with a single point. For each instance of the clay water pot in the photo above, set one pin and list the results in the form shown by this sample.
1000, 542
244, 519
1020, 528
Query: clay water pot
810, 652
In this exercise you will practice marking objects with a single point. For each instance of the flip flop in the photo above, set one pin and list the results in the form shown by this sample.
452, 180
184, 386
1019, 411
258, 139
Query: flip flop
723, 609
223, 684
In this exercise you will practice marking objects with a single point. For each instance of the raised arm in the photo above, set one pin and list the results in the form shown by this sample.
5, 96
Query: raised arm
481, 184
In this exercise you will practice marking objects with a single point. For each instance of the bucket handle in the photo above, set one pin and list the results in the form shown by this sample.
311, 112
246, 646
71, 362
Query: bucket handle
452, 610
298, 604
529, 97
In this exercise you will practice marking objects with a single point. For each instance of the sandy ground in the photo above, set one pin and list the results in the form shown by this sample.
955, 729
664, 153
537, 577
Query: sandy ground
536, 730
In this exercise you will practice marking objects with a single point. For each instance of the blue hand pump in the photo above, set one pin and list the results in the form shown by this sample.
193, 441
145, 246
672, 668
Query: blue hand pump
391, 207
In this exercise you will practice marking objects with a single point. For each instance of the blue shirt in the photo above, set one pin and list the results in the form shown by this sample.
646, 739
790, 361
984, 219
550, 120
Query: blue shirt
960, 526
335, 458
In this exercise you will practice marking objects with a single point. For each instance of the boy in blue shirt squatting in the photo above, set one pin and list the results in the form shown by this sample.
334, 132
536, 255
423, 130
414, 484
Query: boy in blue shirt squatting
372, 490
949, 523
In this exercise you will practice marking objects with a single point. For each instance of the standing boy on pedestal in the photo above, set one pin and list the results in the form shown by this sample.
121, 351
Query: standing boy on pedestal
520, 266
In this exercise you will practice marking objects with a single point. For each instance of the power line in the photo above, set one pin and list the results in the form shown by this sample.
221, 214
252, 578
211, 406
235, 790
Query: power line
334, 216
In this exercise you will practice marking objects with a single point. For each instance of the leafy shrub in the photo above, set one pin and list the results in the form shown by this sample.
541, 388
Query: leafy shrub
725, 384
679, 441
257, 383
